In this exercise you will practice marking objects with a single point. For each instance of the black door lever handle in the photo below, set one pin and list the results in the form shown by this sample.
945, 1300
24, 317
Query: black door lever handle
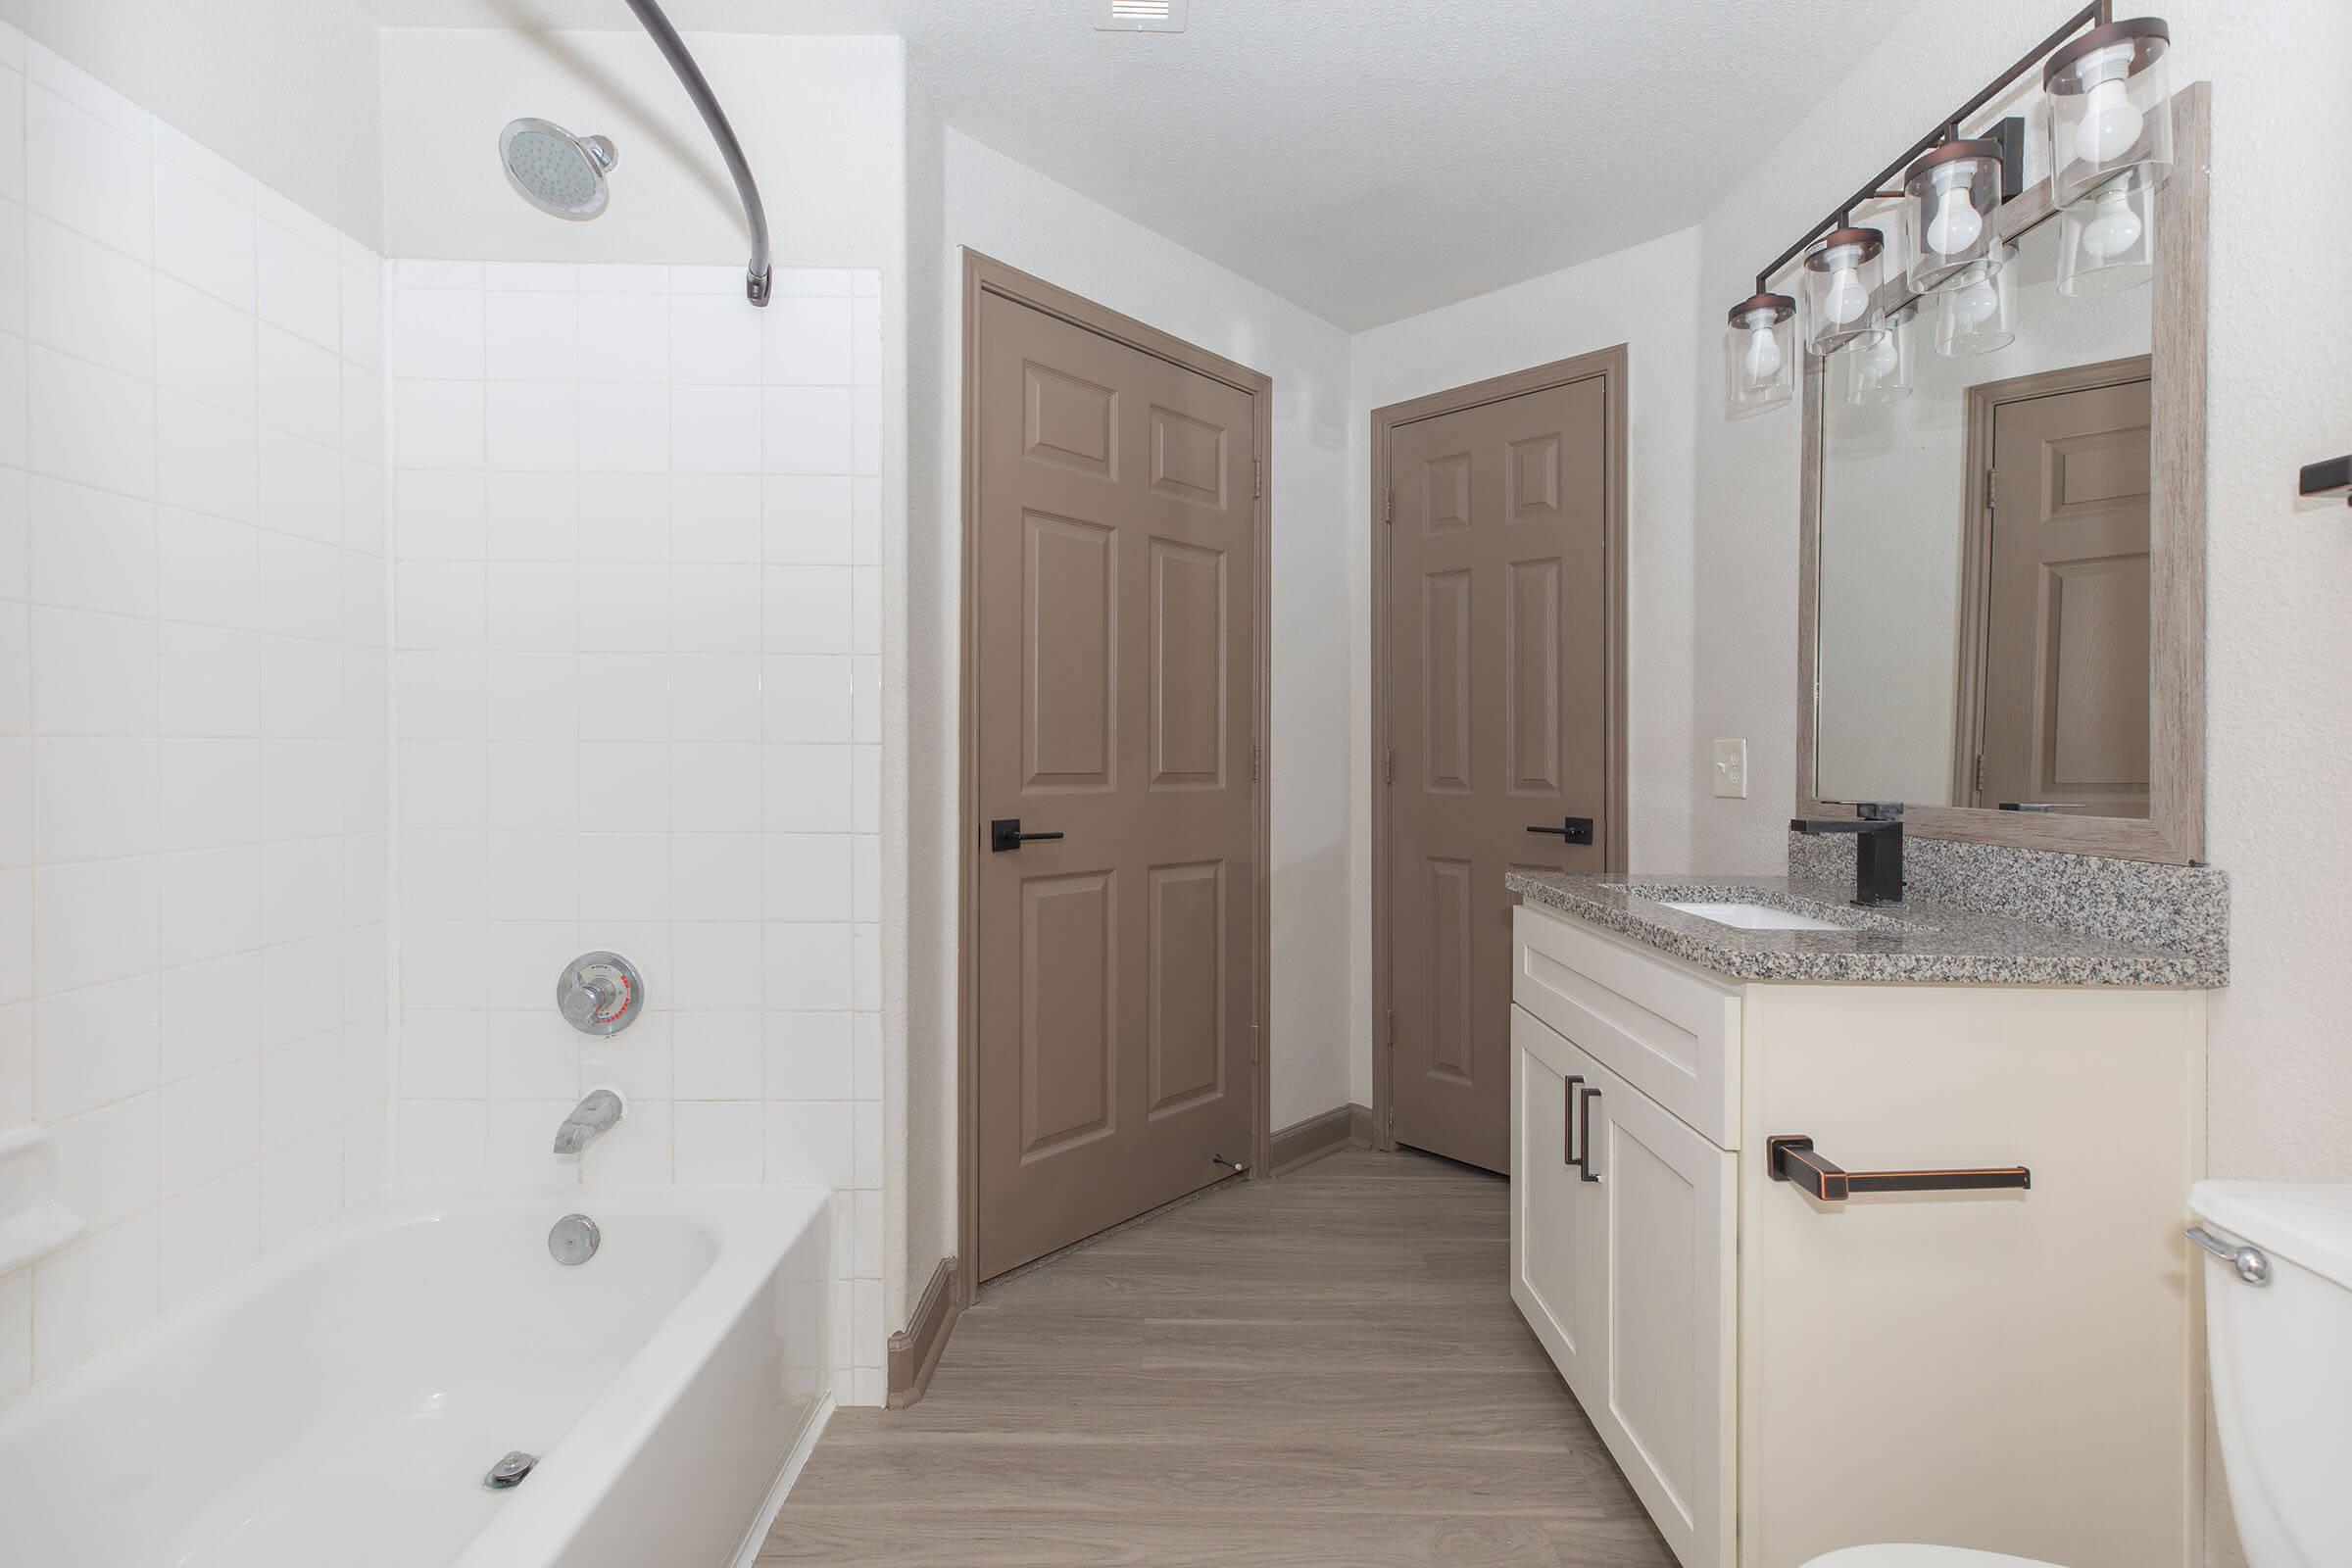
1575, 829
1005, 833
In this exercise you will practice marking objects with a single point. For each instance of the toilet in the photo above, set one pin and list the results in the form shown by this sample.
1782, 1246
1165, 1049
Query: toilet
2279, 1339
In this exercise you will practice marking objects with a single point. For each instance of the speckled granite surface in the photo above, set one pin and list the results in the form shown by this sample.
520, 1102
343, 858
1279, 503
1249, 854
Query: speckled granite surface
1919, 943
2182, 908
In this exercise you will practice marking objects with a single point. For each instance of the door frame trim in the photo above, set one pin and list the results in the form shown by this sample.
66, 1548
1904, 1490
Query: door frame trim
1611, 365
982, 276
1986, 400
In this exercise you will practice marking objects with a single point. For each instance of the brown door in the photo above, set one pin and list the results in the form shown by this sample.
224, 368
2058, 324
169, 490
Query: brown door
1116, 707
1498, 674
2066, 645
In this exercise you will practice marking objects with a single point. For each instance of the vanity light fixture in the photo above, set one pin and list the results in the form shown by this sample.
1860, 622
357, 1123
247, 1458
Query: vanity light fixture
1760, 350
2109, 92
1841, 279
2110, 102
1878, 366
1973, 311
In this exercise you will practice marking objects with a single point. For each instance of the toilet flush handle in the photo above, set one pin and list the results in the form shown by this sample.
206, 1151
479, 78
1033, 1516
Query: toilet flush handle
2248, 1261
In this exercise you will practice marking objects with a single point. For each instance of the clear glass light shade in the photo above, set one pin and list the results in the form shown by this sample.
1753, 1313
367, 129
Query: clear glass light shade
2108, 243
1877, 366
1760, 353
1954, 191
2110, 96
1975, 313
1841, 279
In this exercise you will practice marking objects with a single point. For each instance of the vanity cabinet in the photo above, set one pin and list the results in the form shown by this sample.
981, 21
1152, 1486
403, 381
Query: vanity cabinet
1778, 1375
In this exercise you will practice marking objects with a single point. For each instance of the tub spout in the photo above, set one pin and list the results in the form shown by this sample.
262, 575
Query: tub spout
590, 1119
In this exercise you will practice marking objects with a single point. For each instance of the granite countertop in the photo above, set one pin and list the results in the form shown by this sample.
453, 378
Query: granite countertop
1921, 944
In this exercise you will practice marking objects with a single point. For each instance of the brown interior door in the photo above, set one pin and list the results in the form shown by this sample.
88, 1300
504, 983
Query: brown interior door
2066, 644
1498, 659
1116, 707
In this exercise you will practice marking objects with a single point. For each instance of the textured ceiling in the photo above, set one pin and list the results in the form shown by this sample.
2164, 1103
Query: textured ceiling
1366, 159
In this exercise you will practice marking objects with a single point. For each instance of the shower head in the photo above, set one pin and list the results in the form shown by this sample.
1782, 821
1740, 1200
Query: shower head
555, 171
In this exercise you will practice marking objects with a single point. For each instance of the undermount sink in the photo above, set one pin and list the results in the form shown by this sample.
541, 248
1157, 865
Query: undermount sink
1753, 916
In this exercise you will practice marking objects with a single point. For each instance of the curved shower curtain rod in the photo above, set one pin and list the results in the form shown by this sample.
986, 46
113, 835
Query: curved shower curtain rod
756, 283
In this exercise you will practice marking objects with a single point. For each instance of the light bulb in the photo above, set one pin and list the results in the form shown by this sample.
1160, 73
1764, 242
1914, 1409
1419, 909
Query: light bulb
2110, 124
1763, 362
2116, 229
1956, 224
1881, 358
1845, 296
1976, 302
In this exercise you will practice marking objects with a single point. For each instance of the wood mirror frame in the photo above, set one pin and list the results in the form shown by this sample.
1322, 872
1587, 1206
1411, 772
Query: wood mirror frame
2174, 830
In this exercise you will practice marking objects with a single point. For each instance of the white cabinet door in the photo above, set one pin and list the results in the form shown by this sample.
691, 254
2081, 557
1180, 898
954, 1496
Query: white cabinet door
1559, 1251
1669, 1409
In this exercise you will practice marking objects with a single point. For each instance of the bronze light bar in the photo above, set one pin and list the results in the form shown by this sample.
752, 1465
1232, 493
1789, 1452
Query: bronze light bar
1792, 1160
2010, 131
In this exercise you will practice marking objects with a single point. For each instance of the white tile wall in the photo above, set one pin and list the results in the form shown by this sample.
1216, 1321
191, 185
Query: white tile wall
636, 665
193, 742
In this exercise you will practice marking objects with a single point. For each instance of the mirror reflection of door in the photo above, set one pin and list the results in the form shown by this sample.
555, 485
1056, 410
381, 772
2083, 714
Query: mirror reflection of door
2053, 706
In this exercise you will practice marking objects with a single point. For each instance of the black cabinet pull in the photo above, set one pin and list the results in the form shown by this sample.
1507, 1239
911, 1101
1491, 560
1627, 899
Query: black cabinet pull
1568, 1120
1005, 833
1575, 829
1584, 1166
1792, 1158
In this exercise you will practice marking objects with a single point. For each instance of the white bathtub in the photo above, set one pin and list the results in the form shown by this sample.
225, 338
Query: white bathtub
340, 1405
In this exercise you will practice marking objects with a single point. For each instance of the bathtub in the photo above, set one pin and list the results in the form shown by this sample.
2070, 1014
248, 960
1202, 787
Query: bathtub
341, 1403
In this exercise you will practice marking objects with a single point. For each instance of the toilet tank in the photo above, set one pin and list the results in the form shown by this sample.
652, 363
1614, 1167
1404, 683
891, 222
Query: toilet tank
2282, 1363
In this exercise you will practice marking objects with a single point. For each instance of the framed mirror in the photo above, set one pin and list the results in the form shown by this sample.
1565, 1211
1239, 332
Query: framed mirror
2001, 617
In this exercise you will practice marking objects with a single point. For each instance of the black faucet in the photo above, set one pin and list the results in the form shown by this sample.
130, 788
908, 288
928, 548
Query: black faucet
1878, 829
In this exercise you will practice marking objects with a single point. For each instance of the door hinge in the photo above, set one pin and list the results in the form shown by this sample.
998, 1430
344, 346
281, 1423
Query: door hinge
1253, 1045
1388, 507
1256, 759
1388, 767
1988, 476
1979, 770
1392, 1026
1257, 479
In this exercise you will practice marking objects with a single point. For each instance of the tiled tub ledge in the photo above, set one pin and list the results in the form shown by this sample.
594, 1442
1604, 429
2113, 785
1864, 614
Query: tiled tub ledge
1915, 943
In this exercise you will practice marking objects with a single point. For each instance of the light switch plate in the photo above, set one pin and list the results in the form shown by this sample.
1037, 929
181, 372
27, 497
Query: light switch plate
1731, 769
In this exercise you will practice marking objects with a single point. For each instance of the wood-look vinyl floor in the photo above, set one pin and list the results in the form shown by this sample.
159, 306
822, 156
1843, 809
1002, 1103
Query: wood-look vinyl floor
1325, 1368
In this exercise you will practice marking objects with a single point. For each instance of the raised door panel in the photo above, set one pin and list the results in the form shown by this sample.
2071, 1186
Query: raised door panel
1187, 1003
1670, 1410
1069, 703
1189, 636
1558, 1257
1070, 1011
1449, 901
1446, 675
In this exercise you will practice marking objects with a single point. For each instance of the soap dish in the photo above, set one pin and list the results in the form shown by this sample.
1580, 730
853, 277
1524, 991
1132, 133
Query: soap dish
32, 1223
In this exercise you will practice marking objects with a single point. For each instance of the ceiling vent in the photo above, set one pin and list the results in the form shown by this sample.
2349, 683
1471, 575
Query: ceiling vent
1139, 16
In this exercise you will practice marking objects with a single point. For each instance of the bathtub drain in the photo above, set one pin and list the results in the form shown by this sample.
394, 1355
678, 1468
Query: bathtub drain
510, 1471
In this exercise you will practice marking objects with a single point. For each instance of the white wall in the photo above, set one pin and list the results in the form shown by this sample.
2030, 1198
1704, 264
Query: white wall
1641, 298
2279, 663
313, 136
192, 741
1011, 213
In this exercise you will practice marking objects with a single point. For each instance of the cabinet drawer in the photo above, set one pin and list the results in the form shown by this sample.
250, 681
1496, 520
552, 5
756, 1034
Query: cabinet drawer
1667, 1032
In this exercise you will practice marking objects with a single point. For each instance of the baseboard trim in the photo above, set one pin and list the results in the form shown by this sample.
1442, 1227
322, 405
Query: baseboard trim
914, 1349
1303, 1142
